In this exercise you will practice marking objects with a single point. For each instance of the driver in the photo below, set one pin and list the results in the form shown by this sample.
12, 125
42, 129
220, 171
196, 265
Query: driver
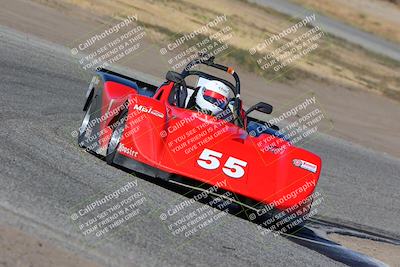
212, 98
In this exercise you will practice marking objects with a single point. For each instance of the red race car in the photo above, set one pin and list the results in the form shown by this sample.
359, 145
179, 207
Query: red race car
198, 135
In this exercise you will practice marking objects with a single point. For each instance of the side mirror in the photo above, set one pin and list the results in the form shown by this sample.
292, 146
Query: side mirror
261, 107
173, 76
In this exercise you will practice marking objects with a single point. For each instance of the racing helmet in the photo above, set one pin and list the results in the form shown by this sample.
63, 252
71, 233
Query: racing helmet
213, 97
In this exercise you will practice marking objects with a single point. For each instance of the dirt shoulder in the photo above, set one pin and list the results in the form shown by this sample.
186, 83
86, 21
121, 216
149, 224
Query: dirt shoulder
20, 249
388, 253
380, 17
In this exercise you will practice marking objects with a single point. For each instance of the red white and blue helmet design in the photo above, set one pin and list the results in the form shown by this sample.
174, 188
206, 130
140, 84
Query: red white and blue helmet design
213, 97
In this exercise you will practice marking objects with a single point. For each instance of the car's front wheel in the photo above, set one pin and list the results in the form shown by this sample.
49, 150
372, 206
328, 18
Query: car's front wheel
116, 137
84, 126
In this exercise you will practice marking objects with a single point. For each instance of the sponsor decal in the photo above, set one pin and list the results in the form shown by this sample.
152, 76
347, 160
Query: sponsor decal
127, 150
149, 110
305, 165
297, 162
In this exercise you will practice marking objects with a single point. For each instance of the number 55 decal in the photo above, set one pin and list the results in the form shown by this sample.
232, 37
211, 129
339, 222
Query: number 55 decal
209, 159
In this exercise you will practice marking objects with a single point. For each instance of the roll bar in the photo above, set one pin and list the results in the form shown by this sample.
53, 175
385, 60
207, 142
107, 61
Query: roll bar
209, 61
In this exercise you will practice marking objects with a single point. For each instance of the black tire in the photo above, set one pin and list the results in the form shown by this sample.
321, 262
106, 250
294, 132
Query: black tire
83, 128
116, 137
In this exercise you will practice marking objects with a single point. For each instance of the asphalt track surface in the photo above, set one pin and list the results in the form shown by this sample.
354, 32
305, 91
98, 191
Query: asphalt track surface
44, 174
337, 28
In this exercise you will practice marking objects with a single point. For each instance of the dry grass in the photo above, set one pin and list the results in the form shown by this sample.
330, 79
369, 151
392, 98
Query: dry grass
335, 60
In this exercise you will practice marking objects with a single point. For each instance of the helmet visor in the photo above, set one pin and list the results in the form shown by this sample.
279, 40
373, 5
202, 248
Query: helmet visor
215, 98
